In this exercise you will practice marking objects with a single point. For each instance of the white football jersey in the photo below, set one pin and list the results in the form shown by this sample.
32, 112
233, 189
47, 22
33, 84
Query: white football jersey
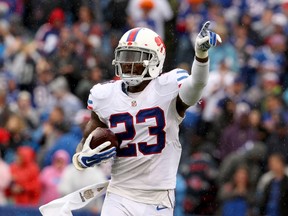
148, 127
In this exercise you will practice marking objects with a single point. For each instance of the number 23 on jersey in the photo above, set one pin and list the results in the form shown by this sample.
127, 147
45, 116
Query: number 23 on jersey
142, 116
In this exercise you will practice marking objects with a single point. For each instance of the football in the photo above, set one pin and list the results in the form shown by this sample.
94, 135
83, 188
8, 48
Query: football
101, 135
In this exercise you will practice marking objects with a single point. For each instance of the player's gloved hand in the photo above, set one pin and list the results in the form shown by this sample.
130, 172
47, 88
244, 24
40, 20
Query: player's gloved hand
204, 40
91, 157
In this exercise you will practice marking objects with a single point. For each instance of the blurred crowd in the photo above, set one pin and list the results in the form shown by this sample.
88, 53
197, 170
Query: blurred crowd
235, 140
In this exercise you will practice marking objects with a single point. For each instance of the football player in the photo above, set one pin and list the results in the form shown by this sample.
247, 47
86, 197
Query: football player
144, 109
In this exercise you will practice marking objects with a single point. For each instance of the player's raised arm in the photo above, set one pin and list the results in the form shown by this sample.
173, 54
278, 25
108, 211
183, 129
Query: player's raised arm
191, 89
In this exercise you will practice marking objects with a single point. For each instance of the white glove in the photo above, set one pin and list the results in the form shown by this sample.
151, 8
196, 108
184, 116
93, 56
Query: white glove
204, 40
91, 157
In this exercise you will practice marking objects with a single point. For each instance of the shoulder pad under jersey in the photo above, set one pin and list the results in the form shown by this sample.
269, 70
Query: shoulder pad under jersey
103, 90
169, 83
176, 77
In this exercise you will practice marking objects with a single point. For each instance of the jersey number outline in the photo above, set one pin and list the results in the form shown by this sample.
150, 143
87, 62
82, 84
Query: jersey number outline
130, 132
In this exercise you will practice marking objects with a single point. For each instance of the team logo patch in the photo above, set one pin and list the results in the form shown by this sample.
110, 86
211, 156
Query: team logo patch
160, 43
133, 103
88, 194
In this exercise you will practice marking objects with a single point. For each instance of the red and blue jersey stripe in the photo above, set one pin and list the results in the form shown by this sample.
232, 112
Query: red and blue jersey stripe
181, 76
90, 104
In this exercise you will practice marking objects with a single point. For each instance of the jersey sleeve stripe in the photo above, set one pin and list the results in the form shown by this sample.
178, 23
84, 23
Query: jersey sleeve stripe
90, 104
181, 78
182, 71
181, 75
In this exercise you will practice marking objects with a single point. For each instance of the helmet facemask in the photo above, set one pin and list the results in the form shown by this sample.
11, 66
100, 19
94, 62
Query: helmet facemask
127, 64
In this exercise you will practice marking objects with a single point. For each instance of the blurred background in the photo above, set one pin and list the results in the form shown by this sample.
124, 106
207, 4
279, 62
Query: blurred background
235, 140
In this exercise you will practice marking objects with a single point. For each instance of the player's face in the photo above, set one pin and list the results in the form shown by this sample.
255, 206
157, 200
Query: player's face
132, 68
132, 61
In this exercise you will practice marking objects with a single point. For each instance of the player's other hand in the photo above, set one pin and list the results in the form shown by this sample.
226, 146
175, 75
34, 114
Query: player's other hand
204, 40
91, 157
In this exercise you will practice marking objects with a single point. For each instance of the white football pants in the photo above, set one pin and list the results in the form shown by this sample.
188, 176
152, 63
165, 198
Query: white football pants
115, 205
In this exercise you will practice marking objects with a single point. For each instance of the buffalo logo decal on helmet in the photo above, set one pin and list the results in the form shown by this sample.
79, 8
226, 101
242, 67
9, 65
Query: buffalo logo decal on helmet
160, 43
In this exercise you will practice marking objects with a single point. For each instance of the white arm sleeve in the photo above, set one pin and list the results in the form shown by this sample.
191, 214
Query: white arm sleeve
191, 89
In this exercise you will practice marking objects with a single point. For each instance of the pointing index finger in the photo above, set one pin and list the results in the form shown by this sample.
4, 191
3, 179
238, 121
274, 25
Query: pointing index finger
206, 26
204, 29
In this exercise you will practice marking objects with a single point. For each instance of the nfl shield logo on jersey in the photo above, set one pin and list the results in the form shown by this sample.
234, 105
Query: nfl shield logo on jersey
133, 103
